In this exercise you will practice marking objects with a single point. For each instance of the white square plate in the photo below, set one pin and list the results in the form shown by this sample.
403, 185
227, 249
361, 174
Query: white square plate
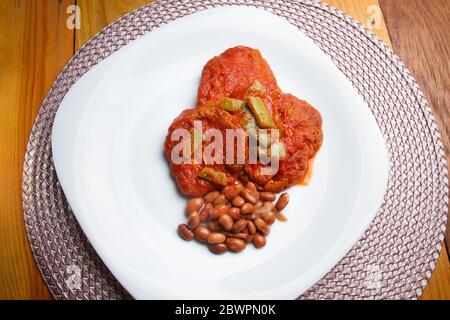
108, 151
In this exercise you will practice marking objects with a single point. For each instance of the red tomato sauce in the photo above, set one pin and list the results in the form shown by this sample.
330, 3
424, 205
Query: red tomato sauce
230, 75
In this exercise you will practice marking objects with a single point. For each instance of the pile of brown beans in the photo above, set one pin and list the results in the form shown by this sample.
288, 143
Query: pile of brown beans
231, 219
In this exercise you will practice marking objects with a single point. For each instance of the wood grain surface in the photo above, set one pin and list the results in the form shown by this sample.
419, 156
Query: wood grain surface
34, 46
420, 36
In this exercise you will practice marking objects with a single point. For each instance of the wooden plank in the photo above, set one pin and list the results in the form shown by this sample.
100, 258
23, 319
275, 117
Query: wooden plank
422, 41
419, 35
438, 287
34, 45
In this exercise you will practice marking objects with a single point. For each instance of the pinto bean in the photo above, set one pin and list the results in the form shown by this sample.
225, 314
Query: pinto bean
211, 196
201, 233
236, 244
239, 225
251, 187
226, 221
216, 237
206, 211
247, 208
251, 227
266, 207
194, 204
238, 202
234, 213
218, 248
220, 200
269, 217
233, 191
218, 210
262, 226
267, 196
233, 217
214, 226
184, 232
239, 235
259, 240
280, 216
249, 197
193, 220
282, 201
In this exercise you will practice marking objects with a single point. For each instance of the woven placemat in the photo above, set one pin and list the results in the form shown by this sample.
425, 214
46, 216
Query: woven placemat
396, 255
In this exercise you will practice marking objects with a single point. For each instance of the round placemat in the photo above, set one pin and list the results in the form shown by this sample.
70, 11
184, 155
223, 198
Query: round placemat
396, 255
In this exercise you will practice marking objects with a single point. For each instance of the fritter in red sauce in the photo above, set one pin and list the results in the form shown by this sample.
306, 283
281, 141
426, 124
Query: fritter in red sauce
187, 174
233, 73
228, 94
301, 134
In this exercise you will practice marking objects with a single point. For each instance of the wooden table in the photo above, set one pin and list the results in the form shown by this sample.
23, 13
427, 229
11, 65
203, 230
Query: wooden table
35, 44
